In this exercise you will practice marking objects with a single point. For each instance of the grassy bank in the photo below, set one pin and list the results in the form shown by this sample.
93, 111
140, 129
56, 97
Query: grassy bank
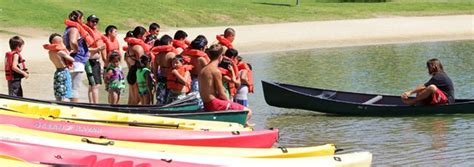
49, 14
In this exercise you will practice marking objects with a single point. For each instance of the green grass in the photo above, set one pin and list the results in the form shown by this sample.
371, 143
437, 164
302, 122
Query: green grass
49, 14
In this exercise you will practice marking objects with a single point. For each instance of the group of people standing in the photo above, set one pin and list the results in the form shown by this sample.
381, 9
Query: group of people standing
161, 69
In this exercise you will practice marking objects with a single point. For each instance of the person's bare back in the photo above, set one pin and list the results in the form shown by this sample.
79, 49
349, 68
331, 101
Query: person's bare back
207, 86
198, 64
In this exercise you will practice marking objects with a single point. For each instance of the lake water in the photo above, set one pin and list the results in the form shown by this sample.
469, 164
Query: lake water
384, 69
446, 140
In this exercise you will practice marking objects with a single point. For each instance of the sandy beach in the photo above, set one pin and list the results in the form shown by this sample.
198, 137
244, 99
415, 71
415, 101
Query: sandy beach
269, 38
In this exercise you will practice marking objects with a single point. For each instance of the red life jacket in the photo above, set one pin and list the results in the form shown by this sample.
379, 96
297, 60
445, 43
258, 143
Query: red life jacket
180, 44
85, 31
135, 41
232, 87
58, 47
173, 83
163, 48
195, 53
244, 66
9, 73
224, 41
111, 45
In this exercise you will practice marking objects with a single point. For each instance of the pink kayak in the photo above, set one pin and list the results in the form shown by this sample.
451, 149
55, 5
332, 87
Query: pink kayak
56, 156
247, 139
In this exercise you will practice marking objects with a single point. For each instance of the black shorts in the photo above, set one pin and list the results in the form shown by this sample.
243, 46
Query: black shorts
93, 72
132, 74
14, 88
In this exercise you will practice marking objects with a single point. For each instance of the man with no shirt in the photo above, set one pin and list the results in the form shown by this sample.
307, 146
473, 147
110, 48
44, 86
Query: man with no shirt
210, 85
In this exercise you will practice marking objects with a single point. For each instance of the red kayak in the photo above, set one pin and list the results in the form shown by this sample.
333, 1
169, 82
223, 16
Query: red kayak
56, 156
247, 139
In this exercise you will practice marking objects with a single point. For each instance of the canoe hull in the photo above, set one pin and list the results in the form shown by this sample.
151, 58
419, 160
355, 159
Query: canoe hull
249, 139
298, 97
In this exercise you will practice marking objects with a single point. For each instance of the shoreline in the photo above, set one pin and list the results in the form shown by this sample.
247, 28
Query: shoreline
254, 39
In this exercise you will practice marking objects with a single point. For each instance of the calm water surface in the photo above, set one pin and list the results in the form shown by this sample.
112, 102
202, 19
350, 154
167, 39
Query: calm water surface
443, 140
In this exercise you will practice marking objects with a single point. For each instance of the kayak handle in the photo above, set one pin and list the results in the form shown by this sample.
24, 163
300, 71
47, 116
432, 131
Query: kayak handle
86, 140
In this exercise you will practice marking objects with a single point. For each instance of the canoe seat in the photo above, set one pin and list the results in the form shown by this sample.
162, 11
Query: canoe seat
373, 100
326, 94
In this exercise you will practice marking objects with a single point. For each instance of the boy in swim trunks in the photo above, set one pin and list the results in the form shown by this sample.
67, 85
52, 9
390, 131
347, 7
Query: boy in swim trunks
59, 56
210, 85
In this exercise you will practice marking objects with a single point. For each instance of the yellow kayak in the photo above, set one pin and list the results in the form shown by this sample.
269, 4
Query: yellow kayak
99, 116
32, 136
13, 162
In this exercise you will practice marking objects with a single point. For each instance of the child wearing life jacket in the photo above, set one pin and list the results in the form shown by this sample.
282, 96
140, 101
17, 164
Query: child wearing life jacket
228, 75
178, 80
145, 81
15, 68
115, 78
232, 80
180, 42
246, 79
59, 56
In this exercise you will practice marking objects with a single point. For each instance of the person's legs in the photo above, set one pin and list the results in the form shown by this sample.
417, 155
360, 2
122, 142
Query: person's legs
422, 96
133, 96
76, 84
14, 88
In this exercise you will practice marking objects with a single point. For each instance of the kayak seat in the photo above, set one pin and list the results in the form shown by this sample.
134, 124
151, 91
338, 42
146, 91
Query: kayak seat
373, 100
326, 94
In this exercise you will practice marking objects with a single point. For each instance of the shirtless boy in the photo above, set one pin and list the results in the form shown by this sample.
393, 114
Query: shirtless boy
210, 85
59, 55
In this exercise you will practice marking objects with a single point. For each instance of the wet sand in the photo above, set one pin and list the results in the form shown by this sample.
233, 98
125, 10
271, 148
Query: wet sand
270, 38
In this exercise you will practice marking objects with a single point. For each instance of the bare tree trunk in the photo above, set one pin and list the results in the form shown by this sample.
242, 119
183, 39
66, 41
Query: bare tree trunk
297, 2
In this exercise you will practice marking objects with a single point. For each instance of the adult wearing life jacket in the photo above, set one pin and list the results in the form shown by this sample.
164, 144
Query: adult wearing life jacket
136, 48
230, 55
227, 38
76, 44
162, 67
180, 42
152, 35
178, 80
15, 68
59, 56
197, 58
93, 66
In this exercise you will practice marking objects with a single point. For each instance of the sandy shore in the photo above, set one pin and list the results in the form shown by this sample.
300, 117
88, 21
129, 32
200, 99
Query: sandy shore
273, 37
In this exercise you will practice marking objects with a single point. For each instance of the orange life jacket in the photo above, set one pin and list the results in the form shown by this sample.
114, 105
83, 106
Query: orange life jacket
180, 44
163, 48
245, 67
135, 41
58, 47
232, 87
9, 73
85, 31
224, 41
111, 45
173, 83
195, 53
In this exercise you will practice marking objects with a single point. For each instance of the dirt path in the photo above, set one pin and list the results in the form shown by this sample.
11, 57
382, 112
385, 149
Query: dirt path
275, 37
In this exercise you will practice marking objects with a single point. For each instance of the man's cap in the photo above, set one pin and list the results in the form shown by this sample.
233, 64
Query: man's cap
92, 18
